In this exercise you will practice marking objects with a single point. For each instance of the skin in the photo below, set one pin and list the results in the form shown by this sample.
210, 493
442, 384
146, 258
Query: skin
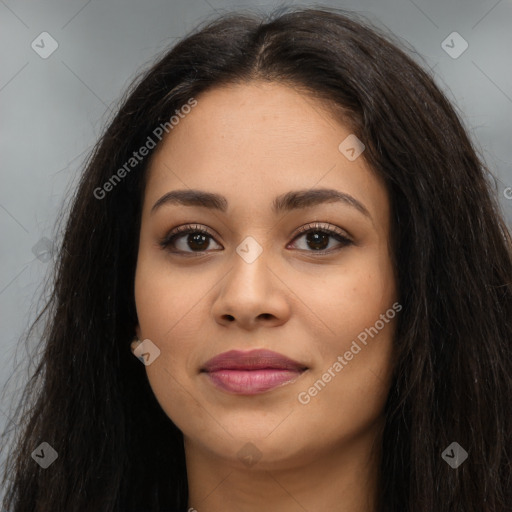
251, 142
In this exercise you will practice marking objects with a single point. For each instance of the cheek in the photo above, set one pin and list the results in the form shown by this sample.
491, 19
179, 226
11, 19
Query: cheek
348, 388
164, 298
350, 299
171, 305
168, 315
348, 308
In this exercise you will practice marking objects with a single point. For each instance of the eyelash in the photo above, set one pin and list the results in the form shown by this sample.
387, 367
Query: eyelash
313, 227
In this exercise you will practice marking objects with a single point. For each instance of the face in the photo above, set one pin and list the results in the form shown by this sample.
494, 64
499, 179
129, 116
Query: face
324, 298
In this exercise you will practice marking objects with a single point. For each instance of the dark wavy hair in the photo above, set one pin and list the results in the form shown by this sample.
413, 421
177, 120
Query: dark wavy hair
89, 397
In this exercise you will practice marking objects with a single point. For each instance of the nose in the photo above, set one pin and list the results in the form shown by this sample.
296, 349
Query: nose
252, 294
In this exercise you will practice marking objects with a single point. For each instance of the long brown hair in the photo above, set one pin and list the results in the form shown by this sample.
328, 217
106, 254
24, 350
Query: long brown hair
89, 397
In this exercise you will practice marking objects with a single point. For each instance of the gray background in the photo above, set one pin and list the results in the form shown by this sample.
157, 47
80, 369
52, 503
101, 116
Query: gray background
54, 109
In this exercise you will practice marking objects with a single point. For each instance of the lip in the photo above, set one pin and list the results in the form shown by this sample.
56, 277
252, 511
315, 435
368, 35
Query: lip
251, 372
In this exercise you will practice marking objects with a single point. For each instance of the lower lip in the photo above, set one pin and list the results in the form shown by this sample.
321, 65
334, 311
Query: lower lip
251, 382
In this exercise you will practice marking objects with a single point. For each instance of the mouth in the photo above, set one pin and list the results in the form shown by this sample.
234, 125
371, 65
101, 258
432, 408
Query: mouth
253, 372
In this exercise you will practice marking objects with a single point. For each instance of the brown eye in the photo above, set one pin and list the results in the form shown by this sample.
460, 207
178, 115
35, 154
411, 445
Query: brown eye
195, 238
317, 238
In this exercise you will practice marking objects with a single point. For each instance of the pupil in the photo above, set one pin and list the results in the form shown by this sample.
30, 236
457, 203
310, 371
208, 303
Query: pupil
313, 238
200, 239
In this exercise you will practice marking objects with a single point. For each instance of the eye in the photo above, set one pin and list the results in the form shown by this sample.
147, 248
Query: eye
317, 236
199, 241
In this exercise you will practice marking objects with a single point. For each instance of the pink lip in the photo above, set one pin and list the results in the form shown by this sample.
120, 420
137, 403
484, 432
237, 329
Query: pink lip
253, 372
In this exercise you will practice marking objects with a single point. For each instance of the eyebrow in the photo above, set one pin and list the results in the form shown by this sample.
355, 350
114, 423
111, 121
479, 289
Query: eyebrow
293, 200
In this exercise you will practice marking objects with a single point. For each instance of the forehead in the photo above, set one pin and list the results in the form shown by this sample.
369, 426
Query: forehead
255, 141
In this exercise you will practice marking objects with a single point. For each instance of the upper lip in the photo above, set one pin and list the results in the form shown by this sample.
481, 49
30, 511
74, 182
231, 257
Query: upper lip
258, 359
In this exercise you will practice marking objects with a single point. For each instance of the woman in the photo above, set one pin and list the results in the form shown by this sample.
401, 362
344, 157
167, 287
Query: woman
341, 338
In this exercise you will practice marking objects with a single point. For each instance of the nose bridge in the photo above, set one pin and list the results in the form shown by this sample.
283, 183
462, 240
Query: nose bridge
250, 289
250, 266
